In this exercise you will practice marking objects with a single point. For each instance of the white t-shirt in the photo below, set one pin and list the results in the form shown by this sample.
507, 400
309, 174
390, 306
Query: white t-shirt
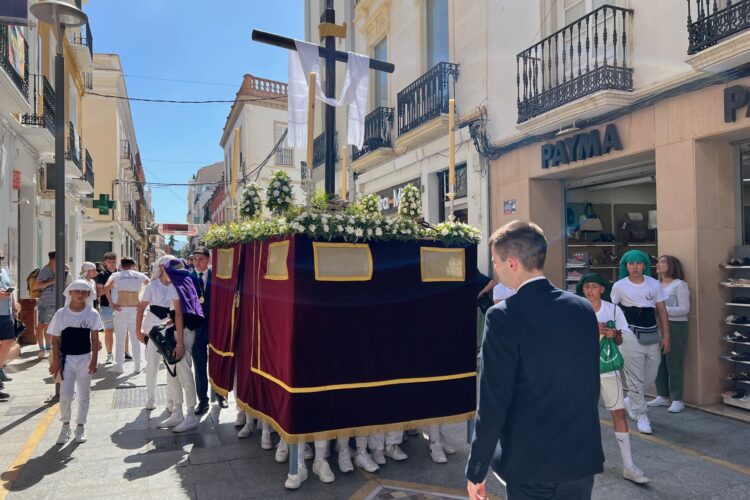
127, 281
610, 312
647, 294
66, 318
158, 294
501, 292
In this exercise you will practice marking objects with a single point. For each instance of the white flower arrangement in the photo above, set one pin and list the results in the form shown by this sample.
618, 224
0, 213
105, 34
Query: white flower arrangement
280, 195
410, 204
251, 205
370, 204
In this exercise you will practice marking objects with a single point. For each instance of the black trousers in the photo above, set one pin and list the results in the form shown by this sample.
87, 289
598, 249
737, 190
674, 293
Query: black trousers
200, 364
577, 489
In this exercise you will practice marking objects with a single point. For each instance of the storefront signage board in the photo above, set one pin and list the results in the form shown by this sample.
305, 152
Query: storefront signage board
581, 147
736, 97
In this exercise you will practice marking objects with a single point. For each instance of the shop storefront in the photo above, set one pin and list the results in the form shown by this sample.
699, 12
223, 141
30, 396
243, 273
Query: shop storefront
669, 177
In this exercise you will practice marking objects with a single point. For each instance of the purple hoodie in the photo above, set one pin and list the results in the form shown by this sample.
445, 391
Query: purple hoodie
183, 282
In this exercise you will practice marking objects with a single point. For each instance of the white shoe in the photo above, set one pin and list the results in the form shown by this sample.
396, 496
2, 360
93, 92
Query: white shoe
137, 369
246, 430
293, 482
395, 452
308, 452
169, 408
378, 456
282, 452
265, 440
364, 461
173, 420
447, 448
188, 424
658, 401
635, 474
629, 409
150, 404
323, 470
109, 360
116, 369
42, 354
676, 407
345, 461
80, 434
241, 419
64, 435
644, 425
437, 454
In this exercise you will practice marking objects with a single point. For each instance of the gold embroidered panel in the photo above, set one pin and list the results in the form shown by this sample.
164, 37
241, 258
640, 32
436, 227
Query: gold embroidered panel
342, 261
224, 263
277, 257
443, 264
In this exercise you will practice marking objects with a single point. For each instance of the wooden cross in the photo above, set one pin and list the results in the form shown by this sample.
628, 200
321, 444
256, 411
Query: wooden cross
104, 204
328, 31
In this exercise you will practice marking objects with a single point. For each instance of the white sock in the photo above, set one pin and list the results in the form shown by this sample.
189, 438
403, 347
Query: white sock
361, 444
321, 447
623, 441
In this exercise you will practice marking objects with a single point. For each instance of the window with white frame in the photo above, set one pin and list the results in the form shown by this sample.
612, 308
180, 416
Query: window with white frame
570, 10
283, 153
437, 32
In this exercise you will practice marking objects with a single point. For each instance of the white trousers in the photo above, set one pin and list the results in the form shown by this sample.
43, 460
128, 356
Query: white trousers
76, 380
124, 323
184, 382
380, 440
153, 360
641, 367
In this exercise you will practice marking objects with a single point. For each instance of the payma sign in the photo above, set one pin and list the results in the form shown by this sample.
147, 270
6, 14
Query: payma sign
581, 147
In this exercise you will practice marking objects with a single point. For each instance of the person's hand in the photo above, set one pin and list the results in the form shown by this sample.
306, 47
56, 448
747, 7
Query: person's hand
665, 344
477, 491
141, 337
54, 368
609, 332
3, 294
116, 307
92, 366
179, 351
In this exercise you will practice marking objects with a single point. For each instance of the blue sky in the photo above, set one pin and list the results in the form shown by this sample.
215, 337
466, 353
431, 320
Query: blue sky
188, 40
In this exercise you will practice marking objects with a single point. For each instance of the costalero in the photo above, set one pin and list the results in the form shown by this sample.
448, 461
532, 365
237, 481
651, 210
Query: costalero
581, 147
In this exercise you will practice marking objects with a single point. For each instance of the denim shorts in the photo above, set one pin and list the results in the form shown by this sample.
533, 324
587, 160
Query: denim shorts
46, 313
107, 315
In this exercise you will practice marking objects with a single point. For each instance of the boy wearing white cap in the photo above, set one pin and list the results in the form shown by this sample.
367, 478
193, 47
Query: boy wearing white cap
74, 330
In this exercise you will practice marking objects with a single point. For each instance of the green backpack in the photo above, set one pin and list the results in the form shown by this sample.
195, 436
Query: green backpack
610, 358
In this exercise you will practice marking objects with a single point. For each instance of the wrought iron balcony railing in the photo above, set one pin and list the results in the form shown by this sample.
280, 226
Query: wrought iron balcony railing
84, 38
427, 97
88, 173
588, 55
319, 148
45, 119
713, 24
378, 126
460, 188
48, 105
10, 63
72, 153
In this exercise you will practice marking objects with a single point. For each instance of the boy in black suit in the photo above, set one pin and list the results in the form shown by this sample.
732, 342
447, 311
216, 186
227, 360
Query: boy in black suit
539, 386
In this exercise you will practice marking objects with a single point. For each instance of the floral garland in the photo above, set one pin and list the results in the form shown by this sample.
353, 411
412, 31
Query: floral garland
279, 195
370, 204
251, 206
410, 204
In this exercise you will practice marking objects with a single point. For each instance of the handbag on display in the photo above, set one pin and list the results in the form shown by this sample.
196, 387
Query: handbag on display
589, 220
634, 227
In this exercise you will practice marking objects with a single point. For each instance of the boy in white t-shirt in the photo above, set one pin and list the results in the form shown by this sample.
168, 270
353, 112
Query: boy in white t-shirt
127, 283
74, 330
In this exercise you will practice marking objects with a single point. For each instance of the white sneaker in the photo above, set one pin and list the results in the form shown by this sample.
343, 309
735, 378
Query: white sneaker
629, 409
308, 452
188, 424
323, 470
80, 434
658, 401
345, 461
64, 435
173, 420
265, 440
240, 420
150, 404
293, 482
437, 454
282, 452
137, 369
116, 369
109, 360
363, 460
676, 407
42, 354
246, 430
644, 425
395, 452
635, 474
169, 408
447, 448
378, 456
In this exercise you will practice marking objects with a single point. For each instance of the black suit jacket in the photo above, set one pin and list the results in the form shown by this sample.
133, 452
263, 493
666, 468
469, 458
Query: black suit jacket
539, 389
205, 292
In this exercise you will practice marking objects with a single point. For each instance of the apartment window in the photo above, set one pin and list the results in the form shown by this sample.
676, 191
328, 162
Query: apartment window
380, 87
575, 9
51, 59
437, 32
283, 154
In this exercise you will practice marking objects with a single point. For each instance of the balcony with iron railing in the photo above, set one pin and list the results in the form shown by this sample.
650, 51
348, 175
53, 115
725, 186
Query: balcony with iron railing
14, 77
586, 56
378, 128
82, 45
40, 123
713, 23
427, 97
88, 173
319, 149
72, 151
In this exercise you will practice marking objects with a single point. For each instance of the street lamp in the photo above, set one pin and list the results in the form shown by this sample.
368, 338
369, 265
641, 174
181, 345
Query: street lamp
60, 15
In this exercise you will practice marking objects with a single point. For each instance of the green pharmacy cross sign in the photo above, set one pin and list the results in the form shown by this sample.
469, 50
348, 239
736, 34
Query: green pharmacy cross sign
103, 204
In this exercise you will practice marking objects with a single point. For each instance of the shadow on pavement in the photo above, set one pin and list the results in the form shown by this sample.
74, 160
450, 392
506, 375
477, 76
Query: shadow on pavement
26, 417
54, 460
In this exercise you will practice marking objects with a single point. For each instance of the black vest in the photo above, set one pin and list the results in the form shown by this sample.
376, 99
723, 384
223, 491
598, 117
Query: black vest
75, 341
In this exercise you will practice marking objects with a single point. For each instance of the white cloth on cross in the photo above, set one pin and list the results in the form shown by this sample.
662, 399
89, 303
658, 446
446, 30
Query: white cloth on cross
354, 94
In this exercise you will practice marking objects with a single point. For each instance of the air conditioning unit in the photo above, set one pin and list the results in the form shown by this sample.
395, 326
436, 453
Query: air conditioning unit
47, 185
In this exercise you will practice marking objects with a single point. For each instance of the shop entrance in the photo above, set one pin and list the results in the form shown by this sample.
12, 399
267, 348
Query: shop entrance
605, 216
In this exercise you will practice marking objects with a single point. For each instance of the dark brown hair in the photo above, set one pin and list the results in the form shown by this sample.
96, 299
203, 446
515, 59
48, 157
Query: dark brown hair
52, 255
110, 256
127, 262
674, 268
522, 240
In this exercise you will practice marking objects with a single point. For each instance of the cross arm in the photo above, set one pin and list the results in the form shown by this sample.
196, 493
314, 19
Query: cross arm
288, 43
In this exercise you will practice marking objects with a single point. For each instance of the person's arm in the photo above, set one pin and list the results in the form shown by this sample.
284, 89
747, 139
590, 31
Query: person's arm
107, 291
485, 290
683, 302
54, 367
179, 350
94, 351
663, 323
142, 305
496, 385
47, 280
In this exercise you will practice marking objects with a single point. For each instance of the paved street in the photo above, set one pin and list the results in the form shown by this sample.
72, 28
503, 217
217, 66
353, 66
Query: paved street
691, 455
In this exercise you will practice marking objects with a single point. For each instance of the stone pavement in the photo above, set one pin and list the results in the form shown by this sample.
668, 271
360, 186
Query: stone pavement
691, 455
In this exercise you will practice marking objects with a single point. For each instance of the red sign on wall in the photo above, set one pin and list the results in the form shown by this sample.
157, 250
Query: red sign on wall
16, 179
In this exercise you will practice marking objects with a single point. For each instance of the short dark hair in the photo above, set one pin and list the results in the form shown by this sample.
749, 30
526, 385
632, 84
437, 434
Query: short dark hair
522, 240
674, 268
202, 251
127, 262
110, 256
51, 255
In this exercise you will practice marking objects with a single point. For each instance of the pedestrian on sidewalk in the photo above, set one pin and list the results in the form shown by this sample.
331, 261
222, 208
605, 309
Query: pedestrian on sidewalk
670, 377
45, 284
7, 320
105, 308
539, 383
612, 325
74, 330
128, 284
642, 300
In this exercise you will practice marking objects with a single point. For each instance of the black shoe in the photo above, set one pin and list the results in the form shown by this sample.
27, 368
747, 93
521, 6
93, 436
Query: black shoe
223, 403
202, 408
128, 356
4, 395
4, 377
